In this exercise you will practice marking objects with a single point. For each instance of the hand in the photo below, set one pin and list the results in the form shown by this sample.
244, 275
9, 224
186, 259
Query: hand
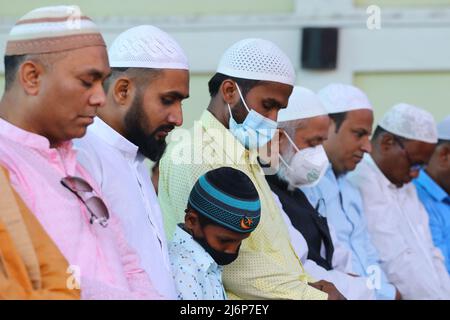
328, 287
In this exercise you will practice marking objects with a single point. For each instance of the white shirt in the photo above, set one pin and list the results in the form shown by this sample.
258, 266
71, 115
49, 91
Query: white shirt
353, 288
197, 276
119, 169
398, 224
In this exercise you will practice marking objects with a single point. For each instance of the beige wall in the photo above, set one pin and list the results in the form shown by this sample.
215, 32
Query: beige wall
429, 90
402, 3
102, 8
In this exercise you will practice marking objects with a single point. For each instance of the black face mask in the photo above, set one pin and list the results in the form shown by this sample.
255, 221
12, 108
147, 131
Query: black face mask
221, 258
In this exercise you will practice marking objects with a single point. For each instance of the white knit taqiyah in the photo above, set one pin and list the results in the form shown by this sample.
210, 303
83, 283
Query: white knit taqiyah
147, 47
338, 97
257, 59
410, 122
303, 103
444, 129
52, 29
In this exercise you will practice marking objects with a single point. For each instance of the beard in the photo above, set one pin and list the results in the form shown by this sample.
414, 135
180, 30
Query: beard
137, 130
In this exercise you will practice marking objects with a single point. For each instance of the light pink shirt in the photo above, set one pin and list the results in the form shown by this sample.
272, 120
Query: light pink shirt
107, 267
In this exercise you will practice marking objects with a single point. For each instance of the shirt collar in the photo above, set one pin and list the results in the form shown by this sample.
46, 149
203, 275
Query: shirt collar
431, 187
115, 139
41, 144
199, 254
232, 147
385, 181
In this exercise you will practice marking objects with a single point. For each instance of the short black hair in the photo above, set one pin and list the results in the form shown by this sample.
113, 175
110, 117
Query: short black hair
12, 64
202, 219
144, 76
378, 131
338, 119
442, 142
244, 84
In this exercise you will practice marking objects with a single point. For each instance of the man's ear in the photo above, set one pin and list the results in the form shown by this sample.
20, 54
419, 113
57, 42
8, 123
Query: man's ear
123, 91
191, 220
229, 92
29, 76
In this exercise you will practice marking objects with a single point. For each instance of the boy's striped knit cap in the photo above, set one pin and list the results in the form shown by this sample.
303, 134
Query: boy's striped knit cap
52, 29
228, 197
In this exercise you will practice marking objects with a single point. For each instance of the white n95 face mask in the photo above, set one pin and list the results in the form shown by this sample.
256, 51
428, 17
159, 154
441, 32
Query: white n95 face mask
307, 166
255, 131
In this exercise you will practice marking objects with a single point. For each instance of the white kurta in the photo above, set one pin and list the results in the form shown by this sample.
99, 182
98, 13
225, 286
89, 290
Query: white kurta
398, 224
119, 169
353, 288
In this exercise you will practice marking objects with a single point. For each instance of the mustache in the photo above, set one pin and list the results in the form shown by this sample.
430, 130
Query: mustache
167, 127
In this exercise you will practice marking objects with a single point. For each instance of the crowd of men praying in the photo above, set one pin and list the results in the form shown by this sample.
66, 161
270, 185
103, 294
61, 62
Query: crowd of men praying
277, 192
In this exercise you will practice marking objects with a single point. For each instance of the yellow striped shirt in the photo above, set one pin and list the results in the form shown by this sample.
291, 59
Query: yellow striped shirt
267, 267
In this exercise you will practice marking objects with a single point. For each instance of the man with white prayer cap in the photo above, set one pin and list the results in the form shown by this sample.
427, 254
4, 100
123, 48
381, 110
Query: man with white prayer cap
149, 81
55, 64
303, 129
433, 188
253, 82
334, 197
403, 142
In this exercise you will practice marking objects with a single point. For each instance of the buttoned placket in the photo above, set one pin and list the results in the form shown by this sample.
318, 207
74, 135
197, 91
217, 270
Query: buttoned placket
398, 199
134, 163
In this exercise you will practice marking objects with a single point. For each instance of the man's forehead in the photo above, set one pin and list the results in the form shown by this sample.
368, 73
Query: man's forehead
91, 61
360, 118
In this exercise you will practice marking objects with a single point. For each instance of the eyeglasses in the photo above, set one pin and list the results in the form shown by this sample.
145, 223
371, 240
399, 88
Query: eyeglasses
412, 166
94, 204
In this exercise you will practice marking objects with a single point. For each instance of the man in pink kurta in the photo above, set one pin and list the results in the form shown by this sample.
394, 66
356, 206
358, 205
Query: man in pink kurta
53, 90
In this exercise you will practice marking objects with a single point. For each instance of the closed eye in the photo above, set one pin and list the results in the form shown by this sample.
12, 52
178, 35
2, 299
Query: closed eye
167, 101
360, 133
85, 83
172, 97
270, 104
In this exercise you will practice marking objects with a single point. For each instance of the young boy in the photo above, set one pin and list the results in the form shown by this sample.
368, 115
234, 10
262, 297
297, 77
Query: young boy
222, 210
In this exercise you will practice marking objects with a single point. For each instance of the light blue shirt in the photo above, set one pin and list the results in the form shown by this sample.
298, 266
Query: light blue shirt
341, 204
437, 202
197, 276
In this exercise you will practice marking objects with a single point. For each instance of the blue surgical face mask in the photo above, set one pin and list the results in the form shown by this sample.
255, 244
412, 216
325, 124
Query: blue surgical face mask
255, 131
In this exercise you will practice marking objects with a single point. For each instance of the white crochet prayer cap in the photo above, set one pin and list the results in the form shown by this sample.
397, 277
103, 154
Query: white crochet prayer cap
444, 129
410, 122
338, 97
303, 103
52, 29
257, 59
147, 47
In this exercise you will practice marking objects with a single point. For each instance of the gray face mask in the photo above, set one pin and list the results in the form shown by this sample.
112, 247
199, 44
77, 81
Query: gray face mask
307, 166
